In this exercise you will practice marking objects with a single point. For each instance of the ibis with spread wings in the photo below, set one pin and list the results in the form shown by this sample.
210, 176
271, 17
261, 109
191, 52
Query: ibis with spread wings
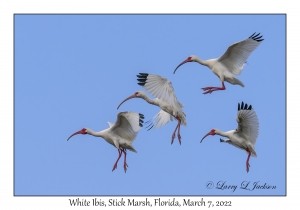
245, 135
230, 63
166, 99
121, 134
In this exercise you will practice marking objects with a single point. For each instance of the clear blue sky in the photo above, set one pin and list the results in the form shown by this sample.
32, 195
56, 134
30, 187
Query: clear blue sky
72, 71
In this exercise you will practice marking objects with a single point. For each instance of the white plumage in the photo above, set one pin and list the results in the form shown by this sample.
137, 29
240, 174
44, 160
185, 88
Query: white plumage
230, 63
245, 135
121, 134
248, 123
160, 87
127, 127
166, 99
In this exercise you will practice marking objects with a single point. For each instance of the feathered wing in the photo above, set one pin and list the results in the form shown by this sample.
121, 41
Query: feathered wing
159, 87
110, 124
237, 54
247, 122
128, 125
159, 120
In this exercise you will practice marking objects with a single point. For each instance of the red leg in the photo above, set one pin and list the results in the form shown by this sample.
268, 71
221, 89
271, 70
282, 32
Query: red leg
173, 135
120, 154
178, 134
211, 89
125, 164
247, 162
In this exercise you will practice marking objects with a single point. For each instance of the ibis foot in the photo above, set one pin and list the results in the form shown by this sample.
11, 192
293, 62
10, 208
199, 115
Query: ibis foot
212, 89
247, 167
115, 166
207, 88
179, 138
125, 167
209, 91
173, 137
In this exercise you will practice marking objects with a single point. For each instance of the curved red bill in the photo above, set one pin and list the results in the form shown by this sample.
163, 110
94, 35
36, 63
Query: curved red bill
212, 132
130, 97
82, 131
185, 61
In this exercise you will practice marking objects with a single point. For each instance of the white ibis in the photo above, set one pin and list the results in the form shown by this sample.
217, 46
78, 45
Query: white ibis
245, 135
230, 63
121, 134
161, 88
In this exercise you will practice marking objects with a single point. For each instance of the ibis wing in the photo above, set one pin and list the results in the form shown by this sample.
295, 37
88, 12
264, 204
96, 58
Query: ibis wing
159, 120
237, 54
248, 123
159, 87
110, 124
128, 125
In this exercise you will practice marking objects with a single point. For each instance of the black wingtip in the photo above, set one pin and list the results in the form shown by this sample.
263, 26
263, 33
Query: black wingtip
142, 80
255, 35
221, 140
150, 128
244, 106
256, 38
148, 121
143, 74
251, 35
141, 121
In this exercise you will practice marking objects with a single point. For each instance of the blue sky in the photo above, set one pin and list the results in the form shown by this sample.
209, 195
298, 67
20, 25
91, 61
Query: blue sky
72, 71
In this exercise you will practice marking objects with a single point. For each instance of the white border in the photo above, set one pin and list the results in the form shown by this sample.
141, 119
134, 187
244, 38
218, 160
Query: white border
9, 8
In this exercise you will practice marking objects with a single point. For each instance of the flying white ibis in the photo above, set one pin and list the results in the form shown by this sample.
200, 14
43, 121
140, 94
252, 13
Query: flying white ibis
161, 88
121, 134
230, 63
245, 135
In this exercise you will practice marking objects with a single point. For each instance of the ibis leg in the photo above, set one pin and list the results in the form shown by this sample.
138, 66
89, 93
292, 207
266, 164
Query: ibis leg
173, 135
120, 154
247, 162
178, 134
125, 164
211, 89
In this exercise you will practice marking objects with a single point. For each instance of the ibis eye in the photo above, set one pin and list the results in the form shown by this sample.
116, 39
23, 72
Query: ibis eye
83, 131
